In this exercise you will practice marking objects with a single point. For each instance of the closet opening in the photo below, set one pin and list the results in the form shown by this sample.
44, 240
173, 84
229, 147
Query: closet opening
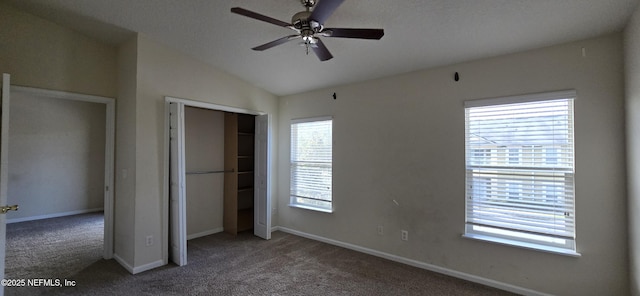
217, 173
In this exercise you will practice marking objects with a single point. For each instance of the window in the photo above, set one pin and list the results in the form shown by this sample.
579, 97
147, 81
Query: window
482, 155
526, 198
311, 163
514, 155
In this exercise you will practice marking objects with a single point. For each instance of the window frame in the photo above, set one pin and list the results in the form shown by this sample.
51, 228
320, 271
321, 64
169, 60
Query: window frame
293, 198
515, 237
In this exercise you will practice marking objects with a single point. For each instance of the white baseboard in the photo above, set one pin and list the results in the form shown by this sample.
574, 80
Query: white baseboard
54, 215
124, 263
137, 269
148, 266
205, 233
415, 263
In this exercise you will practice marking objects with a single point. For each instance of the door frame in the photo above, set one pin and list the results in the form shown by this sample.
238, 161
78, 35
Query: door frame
166, 189
108, 150
4, 166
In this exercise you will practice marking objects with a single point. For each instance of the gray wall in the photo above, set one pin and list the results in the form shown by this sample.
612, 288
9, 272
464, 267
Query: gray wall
402, 138
125, 165
204, 151
632, 72
56, 156
42, 54
162, 71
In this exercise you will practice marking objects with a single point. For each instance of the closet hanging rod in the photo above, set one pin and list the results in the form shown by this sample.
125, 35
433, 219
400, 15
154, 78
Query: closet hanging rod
209, 172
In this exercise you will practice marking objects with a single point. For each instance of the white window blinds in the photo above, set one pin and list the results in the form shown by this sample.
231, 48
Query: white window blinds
520, 170
311, 163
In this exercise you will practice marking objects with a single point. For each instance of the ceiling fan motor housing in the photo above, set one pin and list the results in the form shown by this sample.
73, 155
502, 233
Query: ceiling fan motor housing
307, 28
300, 20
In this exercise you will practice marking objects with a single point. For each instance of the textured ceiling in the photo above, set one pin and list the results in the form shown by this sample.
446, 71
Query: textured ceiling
418, 33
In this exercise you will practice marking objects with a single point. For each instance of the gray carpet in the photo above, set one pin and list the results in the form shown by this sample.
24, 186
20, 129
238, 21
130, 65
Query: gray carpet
52, 248
222, 264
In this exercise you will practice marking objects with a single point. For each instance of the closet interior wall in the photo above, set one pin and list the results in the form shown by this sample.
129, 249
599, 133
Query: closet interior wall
204, 162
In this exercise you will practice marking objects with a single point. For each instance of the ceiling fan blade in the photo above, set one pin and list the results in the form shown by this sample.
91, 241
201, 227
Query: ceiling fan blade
321, 51
324, 9
276, 42
255, 15
353, 33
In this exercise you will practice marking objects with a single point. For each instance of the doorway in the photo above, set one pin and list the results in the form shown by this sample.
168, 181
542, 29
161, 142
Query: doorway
90, 186
175, 174
56, 151
105, 189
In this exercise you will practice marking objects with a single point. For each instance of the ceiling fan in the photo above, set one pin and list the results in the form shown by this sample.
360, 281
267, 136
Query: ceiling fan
309, 26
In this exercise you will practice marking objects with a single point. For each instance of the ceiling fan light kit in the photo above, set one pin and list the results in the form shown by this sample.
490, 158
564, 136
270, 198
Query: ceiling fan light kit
309, 26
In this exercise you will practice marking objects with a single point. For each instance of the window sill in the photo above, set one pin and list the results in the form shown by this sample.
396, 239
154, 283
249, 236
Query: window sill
519, 244
311, 208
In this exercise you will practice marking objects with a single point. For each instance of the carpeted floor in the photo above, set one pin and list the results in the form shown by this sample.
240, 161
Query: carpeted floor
52, 248
222, 264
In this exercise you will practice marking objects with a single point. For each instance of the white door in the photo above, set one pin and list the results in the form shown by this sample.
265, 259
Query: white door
177, 210
4, 169
262, 212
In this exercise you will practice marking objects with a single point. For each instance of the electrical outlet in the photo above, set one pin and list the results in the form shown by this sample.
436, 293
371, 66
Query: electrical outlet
149, 240
380, 230
405, 235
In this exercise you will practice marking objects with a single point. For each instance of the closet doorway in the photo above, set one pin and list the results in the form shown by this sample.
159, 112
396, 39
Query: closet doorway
216, 173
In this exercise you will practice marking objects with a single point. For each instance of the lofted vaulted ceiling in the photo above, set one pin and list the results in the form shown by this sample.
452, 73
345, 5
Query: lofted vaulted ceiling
419, 34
